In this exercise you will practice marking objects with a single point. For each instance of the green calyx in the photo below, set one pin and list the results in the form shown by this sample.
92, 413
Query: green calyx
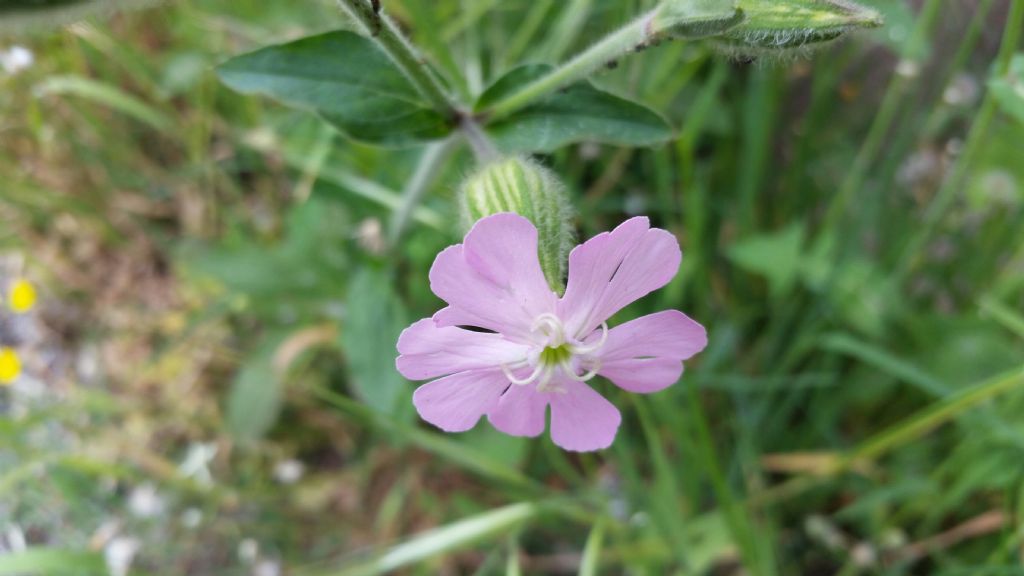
779, 24
555, 356
522, 186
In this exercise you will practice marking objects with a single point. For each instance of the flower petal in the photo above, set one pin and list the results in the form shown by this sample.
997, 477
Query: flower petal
427, 351
645, 355
581, 419
521, 411
455, 403
666, 334
493, 280
643, 375
615, 268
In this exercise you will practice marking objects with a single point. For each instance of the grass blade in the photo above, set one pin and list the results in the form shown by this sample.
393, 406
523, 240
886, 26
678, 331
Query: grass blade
435, 542
106, 95
52, 561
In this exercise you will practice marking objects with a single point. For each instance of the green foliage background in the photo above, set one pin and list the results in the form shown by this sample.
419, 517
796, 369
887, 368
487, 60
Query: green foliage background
851, 220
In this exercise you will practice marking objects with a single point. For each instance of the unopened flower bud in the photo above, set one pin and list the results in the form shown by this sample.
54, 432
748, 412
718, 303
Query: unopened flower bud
793, 23
526, 188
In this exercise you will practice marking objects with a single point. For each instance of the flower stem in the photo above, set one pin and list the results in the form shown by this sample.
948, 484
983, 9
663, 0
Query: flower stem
483, 149
632, 36
430, 164
386, 34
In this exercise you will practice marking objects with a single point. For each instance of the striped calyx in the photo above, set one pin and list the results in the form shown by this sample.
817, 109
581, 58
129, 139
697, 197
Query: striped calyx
795, 23
526, 188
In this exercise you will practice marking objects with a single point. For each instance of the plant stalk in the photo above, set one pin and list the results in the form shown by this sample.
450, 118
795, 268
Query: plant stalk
634, 35
430, 164
409, 60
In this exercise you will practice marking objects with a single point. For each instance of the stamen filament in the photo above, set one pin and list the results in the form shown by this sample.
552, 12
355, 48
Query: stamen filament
522, 382
555, 331
587, 349
567, 366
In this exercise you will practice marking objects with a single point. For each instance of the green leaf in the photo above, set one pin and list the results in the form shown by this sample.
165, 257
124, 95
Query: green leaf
255, 398
374, 318
580, 113
792, 23
22, 15
774, 256
346, 79
1008, 91
51, 561
884, 361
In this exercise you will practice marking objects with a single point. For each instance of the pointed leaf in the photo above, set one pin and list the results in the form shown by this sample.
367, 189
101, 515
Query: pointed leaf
255, 398
346, 79
1008, 91
374, 318
580, 113
775, 256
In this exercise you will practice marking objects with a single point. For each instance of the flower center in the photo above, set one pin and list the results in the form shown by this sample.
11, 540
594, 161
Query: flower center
555, 356
558, 352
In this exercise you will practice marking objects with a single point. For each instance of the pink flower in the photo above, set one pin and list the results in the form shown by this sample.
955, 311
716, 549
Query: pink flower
536, 349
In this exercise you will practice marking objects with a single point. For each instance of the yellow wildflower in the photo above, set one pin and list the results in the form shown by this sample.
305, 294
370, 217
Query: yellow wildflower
22, 297
10, 366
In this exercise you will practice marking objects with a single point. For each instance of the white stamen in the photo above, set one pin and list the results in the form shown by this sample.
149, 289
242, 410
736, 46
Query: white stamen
554, 330
521, 382
581, 378
588, 348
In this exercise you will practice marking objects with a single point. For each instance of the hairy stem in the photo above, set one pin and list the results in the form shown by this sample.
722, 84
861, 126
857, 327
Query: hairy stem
633, 35
484, 150
430, 164
409, 60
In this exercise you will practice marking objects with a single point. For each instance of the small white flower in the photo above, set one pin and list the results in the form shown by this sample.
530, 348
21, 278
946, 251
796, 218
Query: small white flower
962, 91
289, 471
145, 501
15, 538
16, 58
266, 568
908, 68
248, 550
119, 554
197, 462
192, 517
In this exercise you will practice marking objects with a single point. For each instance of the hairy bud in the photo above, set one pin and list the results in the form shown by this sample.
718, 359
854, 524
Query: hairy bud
794, 23
525, 187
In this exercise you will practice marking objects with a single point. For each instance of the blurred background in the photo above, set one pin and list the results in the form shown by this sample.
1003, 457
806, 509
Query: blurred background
206, 380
